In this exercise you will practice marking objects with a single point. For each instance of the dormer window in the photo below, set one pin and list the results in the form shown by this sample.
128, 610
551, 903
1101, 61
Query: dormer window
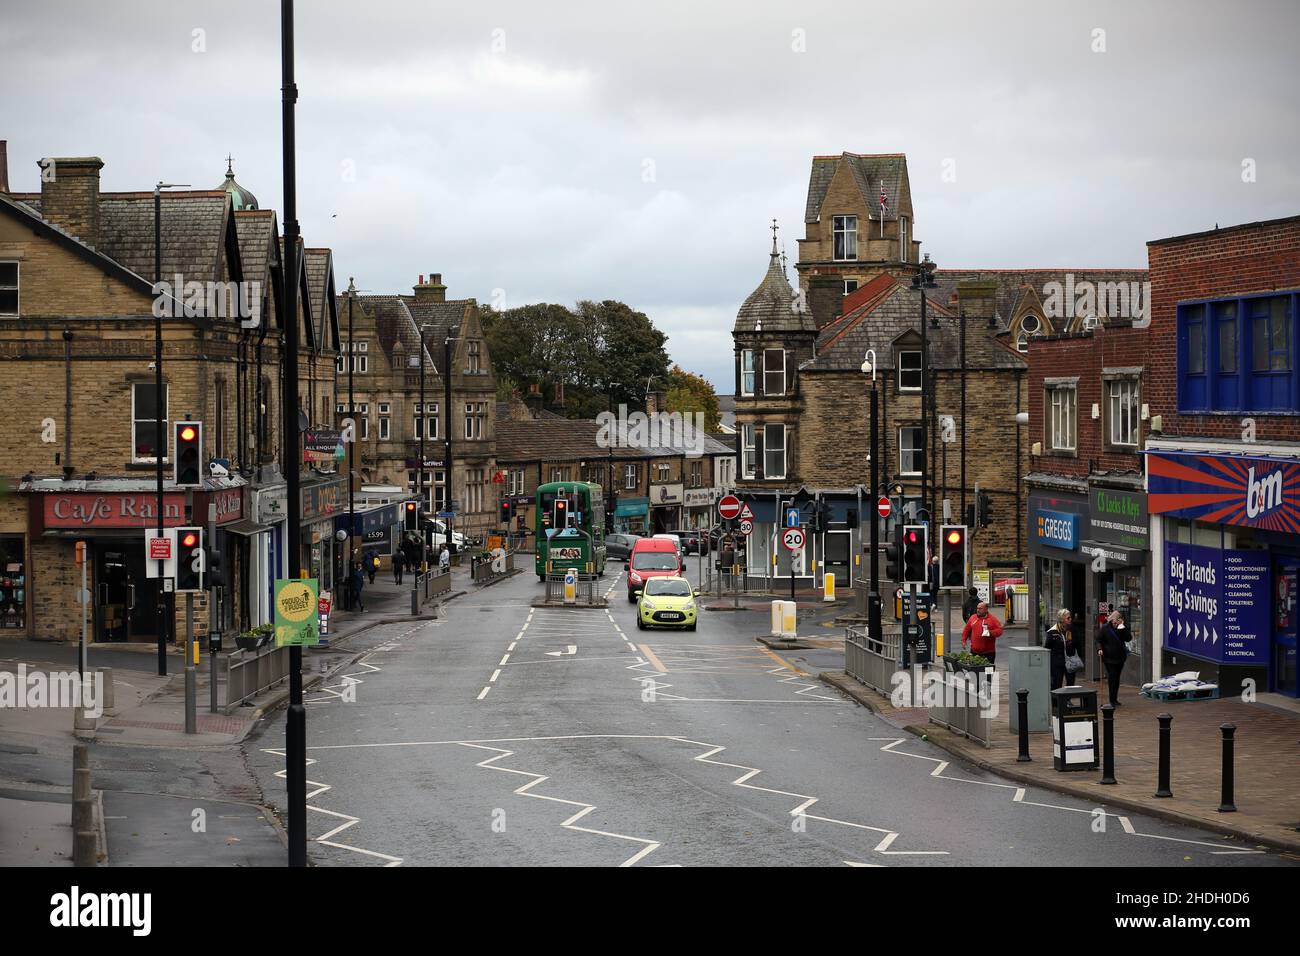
846, 238
1029, 325
850, 286
909, 371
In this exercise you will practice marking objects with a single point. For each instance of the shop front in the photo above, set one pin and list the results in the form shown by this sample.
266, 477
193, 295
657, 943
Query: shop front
1119, 568
1225, 531
1058, 568
665, 508
632, 516
266, 548
323, 498
13, 583
377, 531
701, 507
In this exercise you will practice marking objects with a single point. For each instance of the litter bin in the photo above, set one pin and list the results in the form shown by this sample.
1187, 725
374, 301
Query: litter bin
1074, 728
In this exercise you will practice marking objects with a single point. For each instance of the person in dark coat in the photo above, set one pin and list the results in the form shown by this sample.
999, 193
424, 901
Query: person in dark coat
971, 604
1111, 641
358, 584
1060, 644
399, 563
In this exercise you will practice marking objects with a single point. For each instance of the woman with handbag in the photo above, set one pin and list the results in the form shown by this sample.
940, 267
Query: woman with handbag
1112, 640
1060, 646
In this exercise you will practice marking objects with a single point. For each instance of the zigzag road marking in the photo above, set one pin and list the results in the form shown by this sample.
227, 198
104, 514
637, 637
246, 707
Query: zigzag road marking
326, 838
648, 846
1019, 797
349, 679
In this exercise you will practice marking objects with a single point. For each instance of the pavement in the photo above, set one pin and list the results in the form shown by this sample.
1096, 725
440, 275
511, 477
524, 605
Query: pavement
1266, 764
163, 797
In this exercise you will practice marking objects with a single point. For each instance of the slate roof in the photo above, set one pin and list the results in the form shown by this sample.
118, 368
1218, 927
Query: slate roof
256, 228
772, 304
1013, 284
193, 230
438, 319
877, 315
394, 324
868, 171
320, 284
304, 294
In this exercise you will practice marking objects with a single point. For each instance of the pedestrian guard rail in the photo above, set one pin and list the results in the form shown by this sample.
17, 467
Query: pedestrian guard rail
873, 662
584, 584
483, 570
244, 674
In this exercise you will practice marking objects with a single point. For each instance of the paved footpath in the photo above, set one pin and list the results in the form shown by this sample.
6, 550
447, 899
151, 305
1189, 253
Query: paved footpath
1267, 751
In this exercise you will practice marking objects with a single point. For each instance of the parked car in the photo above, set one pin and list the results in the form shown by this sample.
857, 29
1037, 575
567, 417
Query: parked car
651, 558
677, 542
666, 602
693, 540
438, 535
619, 546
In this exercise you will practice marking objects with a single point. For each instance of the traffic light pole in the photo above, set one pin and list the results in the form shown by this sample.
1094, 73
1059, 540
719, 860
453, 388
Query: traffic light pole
873, 596
160, 437
191, 671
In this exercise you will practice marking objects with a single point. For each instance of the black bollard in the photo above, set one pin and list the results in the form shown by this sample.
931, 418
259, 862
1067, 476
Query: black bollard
1225, 799
1022, 717
1108, 743
1162, 788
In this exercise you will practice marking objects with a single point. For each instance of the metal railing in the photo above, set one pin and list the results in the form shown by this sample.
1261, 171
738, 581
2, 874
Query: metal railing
586, 592
965, 705
247, 673
433, 583
872, 662
482, 571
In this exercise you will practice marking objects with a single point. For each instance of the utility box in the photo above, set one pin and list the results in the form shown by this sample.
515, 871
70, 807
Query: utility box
1030, 668
1074, 729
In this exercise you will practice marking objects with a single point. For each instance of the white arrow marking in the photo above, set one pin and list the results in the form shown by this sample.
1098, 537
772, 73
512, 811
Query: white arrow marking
1216, 636
571, 649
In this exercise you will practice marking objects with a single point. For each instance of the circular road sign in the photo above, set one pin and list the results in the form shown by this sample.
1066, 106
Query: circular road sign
793, 539
884, 507
746, 526
728, 506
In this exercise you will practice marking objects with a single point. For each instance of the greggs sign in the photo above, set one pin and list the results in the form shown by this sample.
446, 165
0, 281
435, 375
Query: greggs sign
1221, 489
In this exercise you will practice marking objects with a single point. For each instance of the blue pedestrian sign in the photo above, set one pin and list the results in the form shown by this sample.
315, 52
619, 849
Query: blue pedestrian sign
792, 517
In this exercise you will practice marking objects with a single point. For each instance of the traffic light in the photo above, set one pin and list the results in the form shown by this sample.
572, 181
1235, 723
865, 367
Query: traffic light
893, 565
412, 516
188, 446
914, 551
952, 556
215, 565
507, 510
985, 510
561, 514
190, 560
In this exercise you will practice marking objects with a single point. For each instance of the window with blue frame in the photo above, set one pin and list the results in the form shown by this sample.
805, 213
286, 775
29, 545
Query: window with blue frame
1239, 354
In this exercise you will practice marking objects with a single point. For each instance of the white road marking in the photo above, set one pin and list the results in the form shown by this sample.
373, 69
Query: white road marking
1019, 797
495, 674
505, 659
483, 693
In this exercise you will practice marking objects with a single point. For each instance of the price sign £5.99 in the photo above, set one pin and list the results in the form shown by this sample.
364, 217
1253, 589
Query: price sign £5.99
793, 539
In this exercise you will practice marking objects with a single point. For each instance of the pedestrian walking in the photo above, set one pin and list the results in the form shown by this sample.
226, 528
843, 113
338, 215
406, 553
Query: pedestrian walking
358, 585
444, 559
981, 632
1112, 641
1060, 647
372, 567
399, 563
971, 604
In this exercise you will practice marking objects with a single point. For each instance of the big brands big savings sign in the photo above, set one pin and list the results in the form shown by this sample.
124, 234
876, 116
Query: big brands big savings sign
1212, 605
1251, 492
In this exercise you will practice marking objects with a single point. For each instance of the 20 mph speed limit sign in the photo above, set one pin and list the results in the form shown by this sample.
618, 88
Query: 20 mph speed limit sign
793, 539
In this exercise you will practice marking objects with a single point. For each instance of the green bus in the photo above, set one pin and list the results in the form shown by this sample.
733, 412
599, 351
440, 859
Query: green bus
570, 526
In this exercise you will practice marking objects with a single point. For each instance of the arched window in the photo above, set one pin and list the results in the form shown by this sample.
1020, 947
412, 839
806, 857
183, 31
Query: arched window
1029, 325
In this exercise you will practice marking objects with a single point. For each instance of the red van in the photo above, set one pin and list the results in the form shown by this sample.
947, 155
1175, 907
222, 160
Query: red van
650, 558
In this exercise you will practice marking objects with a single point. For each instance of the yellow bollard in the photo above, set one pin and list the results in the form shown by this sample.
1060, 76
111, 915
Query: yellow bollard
777, 613
788, 623
828, 587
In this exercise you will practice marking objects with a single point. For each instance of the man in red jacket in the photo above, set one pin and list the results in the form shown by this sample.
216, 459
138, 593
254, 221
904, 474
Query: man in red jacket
981, 632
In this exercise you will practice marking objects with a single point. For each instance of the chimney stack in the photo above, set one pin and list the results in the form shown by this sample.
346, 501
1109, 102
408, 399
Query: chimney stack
70, 195
534, 400
431, 291
4, 166
655, 402
559, 395
825, 299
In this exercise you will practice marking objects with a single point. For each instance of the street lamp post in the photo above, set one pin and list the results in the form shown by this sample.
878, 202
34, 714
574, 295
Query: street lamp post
873, 596
421, 524
449, 485
160, 433
352, 445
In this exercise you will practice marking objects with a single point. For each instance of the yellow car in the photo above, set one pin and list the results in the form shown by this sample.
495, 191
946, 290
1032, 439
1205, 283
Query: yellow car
666, 602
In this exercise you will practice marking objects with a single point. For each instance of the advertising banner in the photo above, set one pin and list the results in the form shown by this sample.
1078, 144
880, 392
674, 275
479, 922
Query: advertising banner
297, 612
1212, 611
1223, 489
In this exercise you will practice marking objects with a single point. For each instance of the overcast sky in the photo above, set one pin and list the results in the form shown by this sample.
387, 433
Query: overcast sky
558, 151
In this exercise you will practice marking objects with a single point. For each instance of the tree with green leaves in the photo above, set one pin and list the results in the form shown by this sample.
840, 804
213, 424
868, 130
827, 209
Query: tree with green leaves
688, 392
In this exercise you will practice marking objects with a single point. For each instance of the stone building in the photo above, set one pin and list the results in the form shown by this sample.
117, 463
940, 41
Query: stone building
386, 351
77, 320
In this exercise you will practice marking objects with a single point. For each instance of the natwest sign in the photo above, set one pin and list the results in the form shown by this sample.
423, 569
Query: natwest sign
117, 510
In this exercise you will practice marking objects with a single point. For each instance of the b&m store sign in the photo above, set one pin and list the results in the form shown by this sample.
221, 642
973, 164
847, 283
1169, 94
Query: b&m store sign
1254, 492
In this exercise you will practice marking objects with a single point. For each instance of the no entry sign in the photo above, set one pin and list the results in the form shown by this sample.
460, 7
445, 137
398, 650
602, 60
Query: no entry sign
884, 507
728, 506
792, 538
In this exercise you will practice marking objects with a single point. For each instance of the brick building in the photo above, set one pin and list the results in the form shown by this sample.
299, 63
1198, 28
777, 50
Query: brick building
77, 319
1223, 453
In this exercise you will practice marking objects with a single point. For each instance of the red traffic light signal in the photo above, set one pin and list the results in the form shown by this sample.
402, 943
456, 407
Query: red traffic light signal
952, 557
189, 454
188, 433
955, 536
191, 562
189, 539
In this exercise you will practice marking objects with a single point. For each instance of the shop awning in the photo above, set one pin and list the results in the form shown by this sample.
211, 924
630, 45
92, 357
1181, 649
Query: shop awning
245, 526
